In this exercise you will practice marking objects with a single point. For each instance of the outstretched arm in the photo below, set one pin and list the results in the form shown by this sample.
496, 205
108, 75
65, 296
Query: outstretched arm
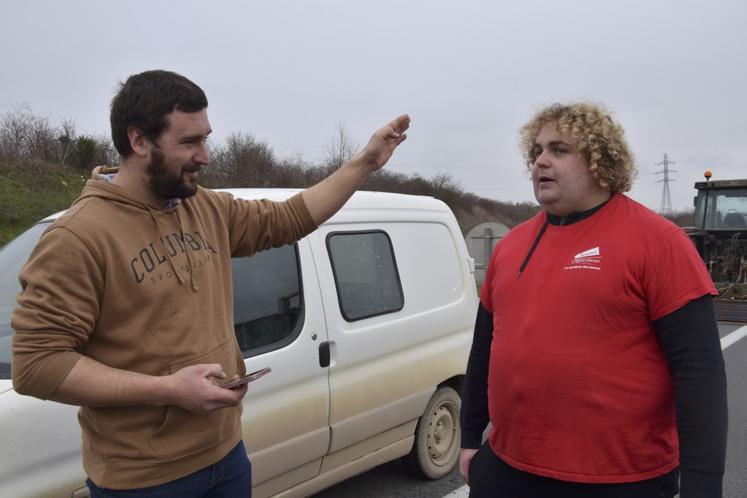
326, 197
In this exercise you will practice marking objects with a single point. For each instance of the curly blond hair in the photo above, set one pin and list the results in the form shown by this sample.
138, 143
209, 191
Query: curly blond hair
596, 136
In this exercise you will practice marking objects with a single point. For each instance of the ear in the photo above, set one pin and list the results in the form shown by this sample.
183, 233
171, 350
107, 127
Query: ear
139, 143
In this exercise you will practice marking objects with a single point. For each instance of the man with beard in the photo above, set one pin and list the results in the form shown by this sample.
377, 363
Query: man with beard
143, 356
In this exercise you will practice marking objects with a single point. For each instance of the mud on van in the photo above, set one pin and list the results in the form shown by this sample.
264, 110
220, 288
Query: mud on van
366, 324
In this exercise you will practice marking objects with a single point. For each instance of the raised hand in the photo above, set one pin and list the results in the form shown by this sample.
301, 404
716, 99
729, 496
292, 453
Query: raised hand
383, 142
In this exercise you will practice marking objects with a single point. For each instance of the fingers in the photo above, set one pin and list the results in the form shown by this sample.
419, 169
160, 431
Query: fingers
211, 370
195, 389
464, 471
215, 398
241, 391
396, 127
400, 124
465, 457
229, 397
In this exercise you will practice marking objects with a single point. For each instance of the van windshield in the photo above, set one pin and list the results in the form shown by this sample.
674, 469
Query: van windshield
12, 257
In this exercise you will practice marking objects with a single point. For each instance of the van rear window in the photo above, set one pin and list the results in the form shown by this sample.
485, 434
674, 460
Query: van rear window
365, 273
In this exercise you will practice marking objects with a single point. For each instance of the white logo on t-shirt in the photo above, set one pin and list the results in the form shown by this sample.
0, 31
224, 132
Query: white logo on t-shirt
590, 259
594, 251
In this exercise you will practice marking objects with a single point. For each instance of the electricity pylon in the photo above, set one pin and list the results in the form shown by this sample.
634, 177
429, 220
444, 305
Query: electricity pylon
666, 199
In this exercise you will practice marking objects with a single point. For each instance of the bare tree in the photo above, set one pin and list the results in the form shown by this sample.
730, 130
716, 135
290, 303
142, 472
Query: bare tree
66, 138
340, 150
242, 162
24, 135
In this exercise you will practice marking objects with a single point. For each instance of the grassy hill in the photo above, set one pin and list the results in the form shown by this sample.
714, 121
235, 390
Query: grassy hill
32, 189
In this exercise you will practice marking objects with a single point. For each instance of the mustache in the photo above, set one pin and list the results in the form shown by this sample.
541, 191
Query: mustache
191, 169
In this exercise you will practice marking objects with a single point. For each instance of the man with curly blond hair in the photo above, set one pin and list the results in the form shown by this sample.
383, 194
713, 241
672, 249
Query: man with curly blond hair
596, 356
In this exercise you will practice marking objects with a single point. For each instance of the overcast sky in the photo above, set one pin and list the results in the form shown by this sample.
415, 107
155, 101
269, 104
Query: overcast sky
468, 72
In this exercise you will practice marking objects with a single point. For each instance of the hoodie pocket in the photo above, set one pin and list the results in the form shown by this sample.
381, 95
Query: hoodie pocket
184, 433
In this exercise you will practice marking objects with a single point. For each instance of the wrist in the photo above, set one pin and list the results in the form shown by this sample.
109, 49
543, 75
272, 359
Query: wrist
164, 390
364, 162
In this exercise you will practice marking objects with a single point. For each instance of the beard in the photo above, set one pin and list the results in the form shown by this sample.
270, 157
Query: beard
165, 184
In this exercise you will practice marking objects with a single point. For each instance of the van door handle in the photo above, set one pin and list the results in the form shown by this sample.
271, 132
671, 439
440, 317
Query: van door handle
324, 354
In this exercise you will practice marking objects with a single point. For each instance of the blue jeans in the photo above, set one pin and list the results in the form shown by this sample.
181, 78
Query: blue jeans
230, 477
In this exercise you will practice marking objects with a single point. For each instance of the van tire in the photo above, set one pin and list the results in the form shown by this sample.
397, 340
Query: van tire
437, 437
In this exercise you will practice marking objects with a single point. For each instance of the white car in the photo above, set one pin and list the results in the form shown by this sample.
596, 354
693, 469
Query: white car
366, 324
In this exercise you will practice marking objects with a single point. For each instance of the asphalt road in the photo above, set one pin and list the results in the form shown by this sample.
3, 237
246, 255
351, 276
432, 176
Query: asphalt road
391, 481
735, 478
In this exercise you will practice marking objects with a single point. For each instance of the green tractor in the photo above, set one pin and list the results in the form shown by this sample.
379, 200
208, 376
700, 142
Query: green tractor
720, 235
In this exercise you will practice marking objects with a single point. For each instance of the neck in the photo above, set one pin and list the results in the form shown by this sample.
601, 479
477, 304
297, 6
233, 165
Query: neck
575, 216
564, 209
133, 178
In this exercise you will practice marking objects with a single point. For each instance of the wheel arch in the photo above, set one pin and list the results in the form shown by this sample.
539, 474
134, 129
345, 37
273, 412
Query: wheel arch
456, 383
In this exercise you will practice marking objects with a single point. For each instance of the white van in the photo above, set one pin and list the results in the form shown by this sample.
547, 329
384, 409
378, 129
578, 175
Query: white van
366, 324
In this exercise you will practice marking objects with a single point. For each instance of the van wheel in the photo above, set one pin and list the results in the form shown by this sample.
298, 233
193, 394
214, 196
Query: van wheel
437, 437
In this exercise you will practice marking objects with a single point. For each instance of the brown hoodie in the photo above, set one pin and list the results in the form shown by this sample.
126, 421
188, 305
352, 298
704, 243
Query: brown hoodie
147, 290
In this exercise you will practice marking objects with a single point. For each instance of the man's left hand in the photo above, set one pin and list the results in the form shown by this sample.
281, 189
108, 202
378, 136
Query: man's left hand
383, 142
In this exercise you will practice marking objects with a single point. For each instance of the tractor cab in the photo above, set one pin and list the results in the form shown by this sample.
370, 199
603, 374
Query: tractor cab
720, 235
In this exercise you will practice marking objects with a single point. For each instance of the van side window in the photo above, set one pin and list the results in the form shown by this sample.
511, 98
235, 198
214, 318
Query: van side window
365, 274
267, 300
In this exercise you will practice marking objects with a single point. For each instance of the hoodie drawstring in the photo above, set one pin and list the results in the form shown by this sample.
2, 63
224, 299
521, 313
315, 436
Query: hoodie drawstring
189, 258
168, 255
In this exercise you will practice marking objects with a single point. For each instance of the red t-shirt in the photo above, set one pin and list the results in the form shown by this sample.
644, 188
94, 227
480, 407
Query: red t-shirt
578, 387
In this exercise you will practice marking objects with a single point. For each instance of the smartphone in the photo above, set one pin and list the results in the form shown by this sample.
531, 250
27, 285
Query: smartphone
233, 384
